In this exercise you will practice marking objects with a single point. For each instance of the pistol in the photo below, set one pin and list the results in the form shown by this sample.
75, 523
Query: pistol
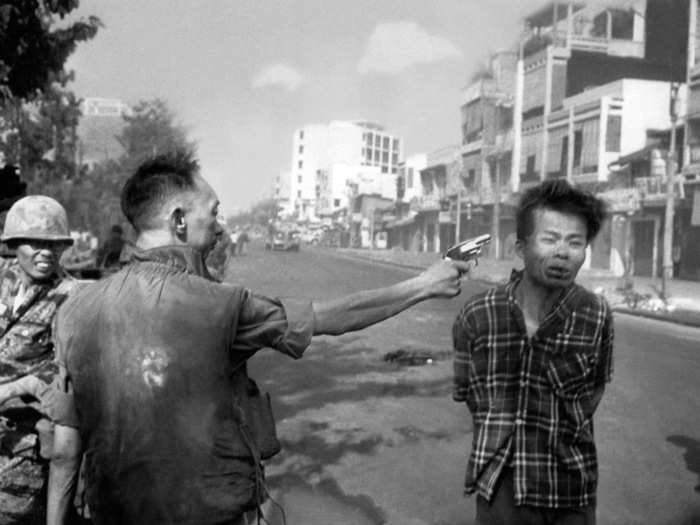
468, 250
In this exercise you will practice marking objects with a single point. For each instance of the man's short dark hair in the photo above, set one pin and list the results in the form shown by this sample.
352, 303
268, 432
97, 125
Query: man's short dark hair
153, 183
559, 195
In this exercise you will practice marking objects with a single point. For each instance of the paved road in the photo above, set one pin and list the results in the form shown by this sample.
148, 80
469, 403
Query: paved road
371, 442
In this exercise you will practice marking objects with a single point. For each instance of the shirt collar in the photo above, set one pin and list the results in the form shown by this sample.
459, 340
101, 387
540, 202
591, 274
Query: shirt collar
567, 303
182, 257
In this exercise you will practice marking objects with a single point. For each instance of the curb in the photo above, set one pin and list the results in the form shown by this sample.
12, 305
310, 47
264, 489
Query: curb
694, 323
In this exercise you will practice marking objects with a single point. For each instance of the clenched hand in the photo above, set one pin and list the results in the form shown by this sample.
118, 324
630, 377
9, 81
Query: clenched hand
444, 278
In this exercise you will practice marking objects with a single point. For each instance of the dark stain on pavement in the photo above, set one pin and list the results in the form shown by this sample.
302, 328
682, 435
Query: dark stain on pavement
282, 377
319, 453
692, 454
361, 506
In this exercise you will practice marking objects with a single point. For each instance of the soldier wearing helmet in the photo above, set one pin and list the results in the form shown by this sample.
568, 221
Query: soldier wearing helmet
32, 287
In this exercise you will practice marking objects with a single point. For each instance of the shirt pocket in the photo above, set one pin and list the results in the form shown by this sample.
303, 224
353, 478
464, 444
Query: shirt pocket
570, 365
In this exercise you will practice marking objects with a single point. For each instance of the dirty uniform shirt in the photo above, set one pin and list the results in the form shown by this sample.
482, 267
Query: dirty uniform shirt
532, 399
154, 354
25, 348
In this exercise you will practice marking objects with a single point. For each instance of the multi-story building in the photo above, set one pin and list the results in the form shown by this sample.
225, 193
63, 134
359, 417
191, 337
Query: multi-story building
590, 84
487, 149
101, 123
425, 221
318, 147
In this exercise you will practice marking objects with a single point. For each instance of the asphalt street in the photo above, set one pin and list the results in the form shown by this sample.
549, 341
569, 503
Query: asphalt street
366, 441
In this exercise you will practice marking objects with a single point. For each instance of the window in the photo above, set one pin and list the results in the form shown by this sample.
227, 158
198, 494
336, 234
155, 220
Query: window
368, 139
530, 168
299, 179
299, 194
386, 143
396, 145
578, 147
409, 182
395, 158
612, 140
393, 169
301, 150
385, 169
385, 157
336, 202
377, 141
376, 155
368, 154
301, 134
277, 191
471, 177
301, 164
564, 160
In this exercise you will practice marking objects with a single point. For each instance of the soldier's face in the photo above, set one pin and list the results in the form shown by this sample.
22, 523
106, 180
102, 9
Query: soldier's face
203, 228
39, 259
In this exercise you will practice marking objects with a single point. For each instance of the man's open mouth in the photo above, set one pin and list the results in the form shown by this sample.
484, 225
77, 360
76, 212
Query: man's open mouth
557, 272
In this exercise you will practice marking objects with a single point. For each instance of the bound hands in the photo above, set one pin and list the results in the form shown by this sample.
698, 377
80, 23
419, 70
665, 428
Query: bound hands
444, 278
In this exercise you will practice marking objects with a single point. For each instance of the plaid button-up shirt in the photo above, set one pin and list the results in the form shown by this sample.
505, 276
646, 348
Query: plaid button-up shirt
532, 399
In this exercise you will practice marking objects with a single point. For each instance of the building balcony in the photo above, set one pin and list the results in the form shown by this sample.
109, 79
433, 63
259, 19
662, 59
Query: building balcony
426, 203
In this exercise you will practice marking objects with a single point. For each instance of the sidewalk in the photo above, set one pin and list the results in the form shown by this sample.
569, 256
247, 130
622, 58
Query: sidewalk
683, 305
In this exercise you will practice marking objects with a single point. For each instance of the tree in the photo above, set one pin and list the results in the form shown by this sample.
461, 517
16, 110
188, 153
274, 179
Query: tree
33, 48
92, 197
38, 115
151, 129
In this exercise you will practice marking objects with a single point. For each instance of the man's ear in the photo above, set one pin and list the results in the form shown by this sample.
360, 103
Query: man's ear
178, 223
520, 248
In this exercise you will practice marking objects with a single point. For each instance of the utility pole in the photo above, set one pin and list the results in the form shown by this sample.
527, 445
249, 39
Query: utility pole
667, 273
458, 223
496, 226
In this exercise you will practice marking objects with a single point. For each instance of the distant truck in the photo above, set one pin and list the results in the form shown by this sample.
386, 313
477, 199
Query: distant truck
284, 240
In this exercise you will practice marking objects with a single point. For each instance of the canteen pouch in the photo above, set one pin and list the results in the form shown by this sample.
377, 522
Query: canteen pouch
252, 412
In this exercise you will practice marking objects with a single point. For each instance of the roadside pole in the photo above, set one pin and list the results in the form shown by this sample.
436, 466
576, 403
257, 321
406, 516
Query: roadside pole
667, 273
459, 213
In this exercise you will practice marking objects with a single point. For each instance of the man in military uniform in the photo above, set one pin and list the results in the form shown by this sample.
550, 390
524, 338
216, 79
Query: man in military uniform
32, 287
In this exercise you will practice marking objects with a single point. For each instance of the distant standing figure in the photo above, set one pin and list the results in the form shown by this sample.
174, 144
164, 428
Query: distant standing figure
109, 253
234, 242
242, 240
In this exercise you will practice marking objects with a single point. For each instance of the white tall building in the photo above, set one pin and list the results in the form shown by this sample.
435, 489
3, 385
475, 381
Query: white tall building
323, 153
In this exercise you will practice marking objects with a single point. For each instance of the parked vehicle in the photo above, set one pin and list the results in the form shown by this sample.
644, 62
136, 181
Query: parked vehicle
288, 241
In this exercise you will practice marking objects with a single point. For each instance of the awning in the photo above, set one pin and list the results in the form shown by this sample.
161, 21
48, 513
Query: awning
403, 221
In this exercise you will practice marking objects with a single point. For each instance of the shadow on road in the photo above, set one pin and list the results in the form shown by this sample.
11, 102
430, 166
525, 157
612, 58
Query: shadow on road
692, 454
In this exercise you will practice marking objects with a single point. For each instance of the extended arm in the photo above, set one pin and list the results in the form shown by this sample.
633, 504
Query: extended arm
63, 473
363, 309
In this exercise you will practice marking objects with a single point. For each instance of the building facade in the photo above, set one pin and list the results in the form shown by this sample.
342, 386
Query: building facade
100, 124
319, 153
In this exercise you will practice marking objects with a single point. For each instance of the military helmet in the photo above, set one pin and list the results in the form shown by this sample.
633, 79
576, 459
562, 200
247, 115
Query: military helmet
36, 217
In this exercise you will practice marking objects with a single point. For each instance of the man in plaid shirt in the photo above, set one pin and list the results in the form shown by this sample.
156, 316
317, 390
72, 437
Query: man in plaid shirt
532, 358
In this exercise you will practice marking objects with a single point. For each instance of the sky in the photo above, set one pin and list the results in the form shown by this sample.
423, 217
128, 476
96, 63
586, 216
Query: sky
242, 75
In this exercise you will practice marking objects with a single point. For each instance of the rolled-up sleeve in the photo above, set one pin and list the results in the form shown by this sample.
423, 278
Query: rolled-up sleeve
286, 325
57, 400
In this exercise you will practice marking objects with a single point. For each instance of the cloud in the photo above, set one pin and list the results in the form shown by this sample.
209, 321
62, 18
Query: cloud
278, 75
395, 46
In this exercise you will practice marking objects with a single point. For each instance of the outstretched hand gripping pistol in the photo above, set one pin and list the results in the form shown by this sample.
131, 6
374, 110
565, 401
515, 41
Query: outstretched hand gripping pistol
468, 250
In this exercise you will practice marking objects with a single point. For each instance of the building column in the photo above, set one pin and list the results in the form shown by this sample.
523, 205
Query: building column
570, 149
517, 125
547, 110
602, 135
692, 24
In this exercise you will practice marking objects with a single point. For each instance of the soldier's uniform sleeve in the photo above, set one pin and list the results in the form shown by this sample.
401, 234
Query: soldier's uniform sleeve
283, 324
57, 400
